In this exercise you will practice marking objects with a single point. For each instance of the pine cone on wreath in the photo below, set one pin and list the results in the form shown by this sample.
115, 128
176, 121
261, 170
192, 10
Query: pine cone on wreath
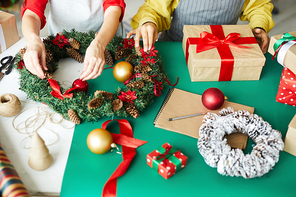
138, 52
108, 57
48, 75
74, 43
117, 104
131, 57
75, 55
106, 94
118, 53
47, 41
135, 84
73, 116
131, 109
142, 68
22, 52
126, 52
95, 103
146, 77
48, 56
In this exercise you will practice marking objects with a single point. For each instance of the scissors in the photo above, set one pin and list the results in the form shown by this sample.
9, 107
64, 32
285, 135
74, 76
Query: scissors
7, 64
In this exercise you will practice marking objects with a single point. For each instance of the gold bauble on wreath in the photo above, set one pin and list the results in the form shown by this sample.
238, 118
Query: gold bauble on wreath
99, 141
10, 105
123, 71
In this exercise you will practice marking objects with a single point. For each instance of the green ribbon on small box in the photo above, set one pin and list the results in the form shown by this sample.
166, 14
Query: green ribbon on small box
278, 44
166, 153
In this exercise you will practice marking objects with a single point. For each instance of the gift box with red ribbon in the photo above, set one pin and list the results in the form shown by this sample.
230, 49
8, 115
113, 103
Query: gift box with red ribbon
222, 53
166, 160
287, 89
283, 48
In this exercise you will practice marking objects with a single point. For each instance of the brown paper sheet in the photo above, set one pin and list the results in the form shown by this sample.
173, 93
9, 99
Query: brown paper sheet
182, 103
290, 58
205, 66
290, 139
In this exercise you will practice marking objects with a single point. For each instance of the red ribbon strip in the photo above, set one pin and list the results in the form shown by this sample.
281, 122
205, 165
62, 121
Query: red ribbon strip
56, 90
218, 40
129, 145
137, 75
157, 85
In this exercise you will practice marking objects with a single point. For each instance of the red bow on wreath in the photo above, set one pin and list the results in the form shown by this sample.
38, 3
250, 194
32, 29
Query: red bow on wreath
56, 90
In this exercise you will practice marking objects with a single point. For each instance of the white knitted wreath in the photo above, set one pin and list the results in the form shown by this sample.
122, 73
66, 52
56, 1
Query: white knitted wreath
213, 145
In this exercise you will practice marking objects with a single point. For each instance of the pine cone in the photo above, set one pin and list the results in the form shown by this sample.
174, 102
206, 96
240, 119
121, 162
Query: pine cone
47, 41
73, 116
48, 56
138, 52
142, 68
48, 75
135, 84
75, 55
126, 52
106, 94
95, 103
146, 77
118, 53
131, 109
117, 104
74, 43
22, 52
108, 57
131, 57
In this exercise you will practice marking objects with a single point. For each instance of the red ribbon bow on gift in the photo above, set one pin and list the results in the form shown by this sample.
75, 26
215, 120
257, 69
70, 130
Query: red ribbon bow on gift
56, 90
217, 40
166, 153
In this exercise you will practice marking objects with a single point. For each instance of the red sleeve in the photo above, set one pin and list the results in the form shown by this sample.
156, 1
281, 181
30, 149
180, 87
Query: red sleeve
36, 6
121, 3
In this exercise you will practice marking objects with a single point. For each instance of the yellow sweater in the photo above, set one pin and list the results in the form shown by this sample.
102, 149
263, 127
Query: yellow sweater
257, 12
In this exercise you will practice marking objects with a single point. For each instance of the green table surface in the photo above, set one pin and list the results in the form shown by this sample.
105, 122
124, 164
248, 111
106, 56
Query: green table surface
86, 172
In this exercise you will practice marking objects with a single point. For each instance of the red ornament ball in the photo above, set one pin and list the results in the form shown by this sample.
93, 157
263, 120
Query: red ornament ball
81, 86
212, 98
123, 71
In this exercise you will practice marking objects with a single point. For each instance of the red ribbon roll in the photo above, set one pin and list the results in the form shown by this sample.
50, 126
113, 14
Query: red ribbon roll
218, 40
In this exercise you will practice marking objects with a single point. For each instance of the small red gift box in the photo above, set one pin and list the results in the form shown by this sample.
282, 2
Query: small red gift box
287, 88
166, 160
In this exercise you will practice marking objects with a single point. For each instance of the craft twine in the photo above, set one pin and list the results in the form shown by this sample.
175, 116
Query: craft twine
10, 105
36, 121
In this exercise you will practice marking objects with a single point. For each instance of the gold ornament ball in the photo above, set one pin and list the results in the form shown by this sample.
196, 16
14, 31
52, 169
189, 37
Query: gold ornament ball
123, 71
99, 141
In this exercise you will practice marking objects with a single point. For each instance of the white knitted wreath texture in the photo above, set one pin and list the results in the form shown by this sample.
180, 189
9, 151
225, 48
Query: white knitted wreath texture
213, 145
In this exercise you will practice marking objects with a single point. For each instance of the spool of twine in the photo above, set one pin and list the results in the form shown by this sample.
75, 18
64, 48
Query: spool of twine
10, 105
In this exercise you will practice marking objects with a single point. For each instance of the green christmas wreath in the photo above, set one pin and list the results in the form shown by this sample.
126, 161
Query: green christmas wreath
129, 100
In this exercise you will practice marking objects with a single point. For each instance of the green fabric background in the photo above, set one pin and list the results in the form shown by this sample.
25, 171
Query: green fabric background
86, 172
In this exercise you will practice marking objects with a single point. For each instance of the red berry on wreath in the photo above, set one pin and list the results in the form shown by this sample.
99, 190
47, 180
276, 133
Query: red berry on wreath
79, 85
212, 98
123, 71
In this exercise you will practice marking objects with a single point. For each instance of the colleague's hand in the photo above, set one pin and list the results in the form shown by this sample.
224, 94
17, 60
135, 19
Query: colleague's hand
149, 34
94, 61
262, 39
34, 57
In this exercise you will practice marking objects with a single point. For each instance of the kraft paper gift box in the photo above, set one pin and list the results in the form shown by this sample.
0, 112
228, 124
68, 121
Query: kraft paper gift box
166, 160
286, 46
8, 31
222, 53
290, 139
